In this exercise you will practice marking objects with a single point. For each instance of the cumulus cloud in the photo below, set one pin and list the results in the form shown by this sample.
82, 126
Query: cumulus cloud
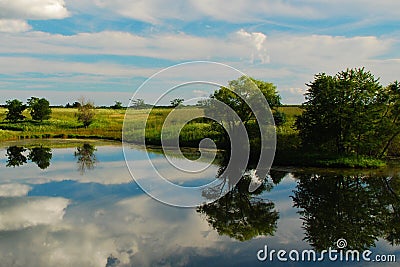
33, 9
14, 190
19, 213
257, 42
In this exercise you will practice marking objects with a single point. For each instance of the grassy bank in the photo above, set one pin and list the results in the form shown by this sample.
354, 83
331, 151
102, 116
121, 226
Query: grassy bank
108, 125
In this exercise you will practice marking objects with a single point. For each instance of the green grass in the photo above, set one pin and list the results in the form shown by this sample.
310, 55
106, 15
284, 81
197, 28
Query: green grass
63, 124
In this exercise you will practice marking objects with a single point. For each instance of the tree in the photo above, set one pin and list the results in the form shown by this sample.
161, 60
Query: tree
41, 156
139, 104
345, 113
117, 105
176, 102
39, 108
76, 104
86, 112
15, 109
243, 90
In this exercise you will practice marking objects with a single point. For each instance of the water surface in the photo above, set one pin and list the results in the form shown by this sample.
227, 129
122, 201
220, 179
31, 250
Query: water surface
77, 205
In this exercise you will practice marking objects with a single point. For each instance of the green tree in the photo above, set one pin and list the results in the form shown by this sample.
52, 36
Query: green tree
41, 156
39, 108
117, 105
86, 112
15, 109
139, 104
243, 90
176, 102
343, 113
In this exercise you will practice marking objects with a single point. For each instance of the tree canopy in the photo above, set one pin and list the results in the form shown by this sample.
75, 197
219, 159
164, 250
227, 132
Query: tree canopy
15, 109
350, 112
86, 112
39, 108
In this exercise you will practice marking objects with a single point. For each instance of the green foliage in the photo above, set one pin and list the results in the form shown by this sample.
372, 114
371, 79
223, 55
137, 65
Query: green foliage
86, 112
176, 102
117, 105
39, 108
15, 109
243, 90
279, 118
349, 113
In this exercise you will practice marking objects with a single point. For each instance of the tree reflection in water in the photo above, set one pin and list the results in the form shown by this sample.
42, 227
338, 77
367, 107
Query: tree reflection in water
86, 157
240, 214
358, 208
15, 156
41, 156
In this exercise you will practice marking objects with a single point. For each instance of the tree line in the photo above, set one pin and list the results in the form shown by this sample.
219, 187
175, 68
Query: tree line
40, 110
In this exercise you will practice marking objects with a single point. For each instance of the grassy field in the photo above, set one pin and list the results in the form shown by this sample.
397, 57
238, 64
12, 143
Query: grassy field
63, 124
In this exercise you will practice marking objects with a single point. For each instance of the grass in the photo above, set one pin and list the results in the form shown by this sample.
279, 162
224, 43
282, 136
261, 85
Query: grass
63, 124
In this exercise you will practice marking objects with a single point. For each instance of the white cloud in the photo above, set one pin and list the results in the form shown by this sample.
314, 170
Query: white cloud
165, 46
157, 11
239, 11
258, 43
14, 25
19, 213
14, 190
33, 9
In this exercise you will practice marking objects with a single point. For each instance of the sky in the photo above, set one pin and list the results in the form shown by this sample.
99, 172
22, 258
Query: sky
105, 49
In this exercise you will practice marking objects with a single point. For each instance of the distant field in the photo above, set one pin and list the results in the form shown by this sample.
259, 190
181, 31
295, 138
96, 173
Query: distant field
291, 110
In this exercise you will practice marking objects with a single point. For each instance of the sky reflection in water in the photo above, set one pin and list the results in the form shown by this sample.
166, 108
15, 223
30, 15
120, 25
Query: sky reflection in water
85, 210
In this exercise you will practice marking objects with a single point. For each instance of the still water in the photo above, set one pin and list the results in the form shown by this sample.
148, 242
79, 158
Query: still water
73, 203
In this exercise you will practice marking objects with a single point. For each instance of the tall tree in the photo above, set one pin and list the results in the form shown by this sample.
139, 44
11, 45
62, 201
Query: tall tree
342, 113
86, 112
242, 90
39, 108
15, 109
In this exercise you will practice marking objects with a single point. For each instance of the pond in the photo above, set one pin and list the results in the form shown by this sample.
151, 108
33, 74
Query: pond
74, 203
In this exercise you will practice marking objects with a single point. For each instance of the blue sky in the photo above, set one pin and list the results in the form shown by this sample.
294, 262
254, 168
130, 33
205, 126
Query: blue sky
104, 50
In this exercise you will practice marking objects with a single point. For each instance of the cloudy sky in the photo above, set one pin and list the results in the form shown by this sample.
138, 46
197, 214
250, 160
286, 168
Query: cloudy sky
105, 49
